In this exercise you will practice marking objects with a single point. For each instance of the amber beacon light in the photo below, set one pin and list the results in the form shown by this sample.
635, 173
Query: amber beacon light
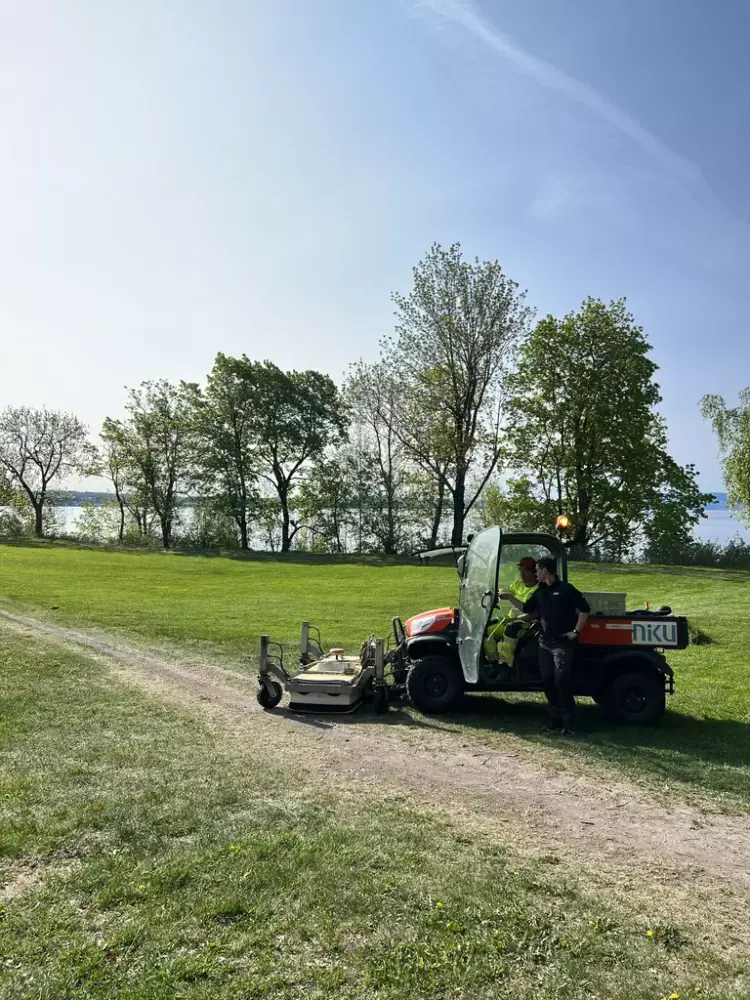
563, 522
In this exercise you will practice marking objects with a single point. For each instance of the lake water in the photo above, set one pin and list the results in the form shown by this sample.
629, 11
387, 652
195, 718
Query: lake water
719, 526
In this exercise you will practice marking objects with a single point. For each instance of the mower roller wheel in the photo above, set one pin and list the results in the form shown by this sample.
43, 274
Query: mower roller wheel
265, 698
636, 698
435, 685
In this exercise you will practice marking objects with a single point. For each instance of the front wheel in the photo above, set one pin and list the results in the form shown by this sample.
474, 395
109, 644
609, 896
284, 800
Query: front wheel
435, 685
637, 699
266, 699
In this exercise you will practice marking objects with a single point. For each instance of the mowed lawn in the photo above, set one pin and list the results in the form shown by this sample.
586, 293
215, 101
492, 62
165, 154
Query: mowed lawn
701, 750
226, 602
142, 857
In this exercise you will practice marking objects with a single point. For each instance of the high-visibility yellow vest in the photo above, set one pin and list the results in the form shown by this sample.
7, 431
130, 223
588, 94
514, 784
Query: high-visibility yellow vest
497, 643
522, 593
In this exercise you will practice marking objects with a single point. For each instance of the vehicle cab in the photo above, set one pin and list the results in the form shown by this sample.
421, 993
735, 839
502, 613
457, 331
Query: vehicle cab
620, 657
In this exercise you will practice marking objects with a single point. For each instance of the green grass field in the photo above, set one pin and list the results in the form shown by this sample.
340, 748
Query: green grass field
145, 854
701, 751
143, 859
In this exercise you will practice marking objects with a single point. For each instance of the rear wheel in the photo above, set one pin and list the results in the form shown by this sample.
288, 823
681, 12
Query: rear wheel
435, 685
636, 698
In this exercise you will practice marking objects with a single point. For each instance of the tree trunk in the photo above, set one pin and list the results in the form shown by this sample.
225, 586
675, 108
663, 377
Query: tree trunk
38, 523
336, 518
121, 506
580, 543
459, 499
438, 515
359, 516
166, 531
243, 532
389, 546
390, 539
285, 539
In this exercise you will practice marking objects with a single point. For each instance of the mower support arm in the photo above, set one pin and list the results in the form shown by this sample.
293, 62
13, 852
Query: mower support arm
269, 669
309, 648
379, 680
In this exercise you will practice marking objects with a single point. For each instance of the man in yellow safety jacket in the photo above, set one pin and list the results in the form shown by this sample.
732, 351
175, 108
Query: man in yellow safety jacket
502, 637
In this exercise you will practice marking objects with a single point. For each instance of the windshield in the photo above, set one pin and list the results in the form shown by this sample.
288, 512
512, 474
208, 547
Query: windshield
476, 592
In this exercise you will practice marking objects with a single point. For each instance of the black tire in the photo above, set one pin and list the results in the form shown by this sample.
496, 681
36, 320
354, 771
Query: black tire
435, 685
636, 698
380, 700
265, 698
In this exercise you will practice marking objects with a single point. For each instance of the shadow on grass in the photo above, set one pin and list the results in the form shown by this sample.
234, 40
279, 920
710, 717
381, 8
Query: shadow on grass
238, 555
711, 756
397, 715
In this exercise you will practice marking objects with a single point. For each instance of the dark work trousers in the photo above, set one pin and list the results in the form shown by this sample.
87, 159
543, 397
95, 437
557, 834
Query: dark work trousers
556, 666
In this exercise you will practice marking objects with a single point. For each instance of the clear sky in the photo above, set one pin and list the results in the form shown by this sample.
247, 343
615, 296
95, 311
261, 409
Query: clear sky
179, 177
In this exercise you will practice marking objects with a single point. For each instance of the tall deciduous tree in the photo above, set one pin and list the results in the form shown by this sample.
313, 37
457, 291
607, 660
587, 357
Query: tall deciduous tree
39, 448
296, 416
677, 507
325, 501
358, 464
585, 436
456, 335
373, 398
227, 451
154, 446
9, 492
732, 427
120, 466
517, 506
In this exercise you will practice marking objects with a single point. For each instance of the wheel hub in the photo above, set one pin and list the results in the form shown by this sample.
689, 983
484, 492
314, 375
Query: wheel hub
634, 701
436, 685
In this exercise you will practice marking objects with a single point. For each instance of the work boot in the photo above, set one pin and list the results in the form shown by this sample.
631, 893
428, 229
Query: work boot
553, 726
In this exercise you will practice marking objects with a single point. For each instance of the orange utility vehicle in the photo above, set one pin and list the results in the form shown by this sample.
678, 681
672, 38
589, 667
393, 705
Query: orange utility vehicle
438, 656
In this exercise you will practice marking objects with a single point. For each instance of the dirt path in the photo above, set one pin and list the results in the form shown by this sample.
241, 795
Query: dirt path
611, 828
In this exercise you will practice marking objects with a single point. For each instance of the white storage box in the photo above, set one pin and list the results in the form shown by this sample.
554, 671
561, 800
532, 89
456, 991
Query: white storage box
606, 603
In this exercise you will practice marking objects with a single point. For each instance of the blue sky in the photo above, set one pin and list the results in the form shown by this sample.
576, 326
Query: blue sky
182, 177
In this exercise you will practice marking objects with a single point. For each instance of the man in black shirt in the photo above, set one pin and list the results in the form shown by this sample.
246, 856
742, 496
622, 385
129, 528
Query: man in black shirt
563, 611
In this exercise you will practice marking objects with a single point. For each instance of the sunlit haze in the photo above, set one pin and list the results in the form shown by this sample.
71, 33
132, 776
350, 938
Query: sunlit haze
182, 177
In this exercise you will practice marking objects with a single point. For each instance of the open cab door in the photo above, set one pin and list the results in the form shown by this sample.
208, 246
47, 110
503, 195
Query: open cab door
476, 598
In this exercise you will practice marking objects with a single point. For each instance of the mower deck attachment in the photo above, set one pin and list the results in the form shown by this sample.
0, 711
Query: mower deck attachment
324, 682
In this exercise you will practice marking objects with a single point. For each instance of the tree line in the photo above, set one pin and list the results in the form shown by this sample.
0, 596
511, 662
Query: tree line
474, 413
